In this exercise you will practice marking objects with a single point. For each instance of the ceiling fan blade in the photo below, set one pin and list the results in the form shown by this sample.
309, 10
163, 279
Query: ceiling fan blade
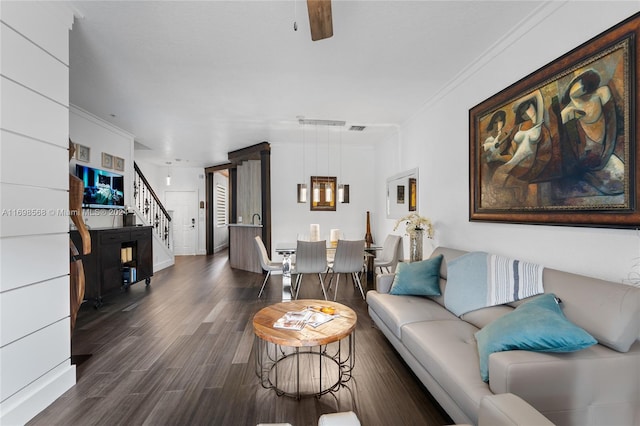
320, 19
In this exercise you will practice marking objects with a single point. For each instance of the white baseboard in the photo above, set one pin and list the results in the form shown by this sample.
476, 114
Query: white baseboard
31, 400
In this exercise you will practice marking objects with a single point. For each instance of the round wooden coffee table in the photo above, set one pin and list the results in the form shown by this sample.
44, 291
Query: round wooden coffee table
307, 362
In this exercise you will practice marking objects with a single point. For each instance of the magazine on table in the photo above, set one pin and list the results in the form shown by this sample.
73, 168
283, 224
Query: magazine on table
298, 319
318, 318
293, 320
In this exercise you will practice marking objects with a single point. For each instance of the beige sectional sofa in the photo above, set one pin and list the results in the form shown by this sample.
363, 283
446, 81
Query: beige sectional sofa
599, 385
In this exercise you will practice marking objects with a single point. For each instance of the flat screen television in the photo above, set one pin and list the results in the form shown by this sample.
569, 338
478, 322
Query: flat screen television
102, 189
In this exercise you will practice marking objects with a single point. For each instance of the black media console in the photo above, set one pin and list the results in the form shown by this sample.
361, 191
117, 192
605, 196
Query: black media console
119, 258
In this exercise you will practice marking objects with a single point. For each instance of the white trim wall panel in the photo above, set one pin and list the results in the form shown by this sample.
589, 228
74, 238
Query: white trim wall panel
46, 24
48, 298
18, 165
29, 113
29, 210
35, 347
22, 62
47, 260
36, 355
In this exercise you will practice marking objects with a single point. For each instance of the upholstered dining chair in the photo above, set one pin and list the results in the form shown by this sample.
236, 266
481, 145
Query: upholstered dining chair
311, 258
349, 259
390, 254
265, 262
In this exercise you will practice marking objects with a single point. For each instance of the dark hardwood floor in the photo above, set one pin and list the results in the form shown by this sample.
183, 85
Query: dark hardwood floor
180, 352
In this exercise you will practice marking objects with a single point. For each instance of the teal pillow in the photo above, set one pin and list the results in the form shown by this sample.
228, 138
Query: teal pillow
537, 325
418, 278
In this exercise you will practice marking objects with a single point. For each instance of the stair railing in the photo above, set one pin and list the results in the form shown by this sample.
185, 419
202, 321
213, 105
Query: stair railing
150, 206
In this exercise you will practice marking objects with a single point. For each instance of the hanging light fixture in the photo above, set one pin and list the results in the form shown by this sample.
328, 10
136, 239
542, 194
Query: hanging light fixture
316, 184
302, 187
168, 173
327, 187
343, 189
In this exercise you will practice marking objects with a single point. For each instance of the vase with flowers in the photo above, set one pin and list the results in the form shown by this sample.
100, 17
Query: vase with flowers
416, 227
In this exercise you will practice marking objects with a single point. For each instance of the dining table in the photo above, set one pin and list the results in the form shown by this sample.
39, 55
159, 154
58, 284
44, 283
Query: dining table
287, 249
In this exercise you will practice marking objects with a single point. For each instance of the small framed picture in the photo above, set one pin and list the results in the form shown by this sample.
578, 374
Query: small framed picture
118, 163
107, 160
83, 153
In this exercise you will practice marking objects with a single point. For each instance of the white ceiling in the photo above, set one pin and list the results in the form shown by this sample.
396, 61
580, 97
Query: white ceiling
193, 80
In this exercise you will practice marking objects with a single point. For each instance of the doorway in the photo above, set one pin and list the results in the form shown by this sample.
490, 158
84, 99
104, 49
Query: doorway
184, 205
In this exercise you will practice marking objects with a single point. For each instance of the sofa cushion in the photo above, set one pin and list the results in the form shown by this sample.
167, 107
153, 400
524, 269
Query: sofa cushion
448, 351
396, 311
537, 325
484, 316
617, 323
418, 278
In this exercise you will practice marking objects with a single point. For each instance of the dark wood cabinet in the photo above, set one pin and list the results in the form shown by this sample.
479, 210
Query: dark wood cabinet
119, 258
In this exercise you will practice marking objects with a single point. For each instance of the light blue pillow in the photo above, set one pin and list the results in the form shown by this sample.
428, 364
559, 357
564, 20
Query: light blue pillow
537, 325
420, 278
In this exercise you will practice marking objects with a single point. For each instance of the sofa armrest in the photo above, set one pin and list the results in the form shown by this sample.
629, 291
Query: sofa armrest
508, 409
596, 382
383, 282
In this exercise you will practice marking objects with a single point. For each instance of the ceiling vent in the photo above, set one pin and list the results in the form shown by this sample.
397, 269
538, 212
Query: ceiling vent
357, 128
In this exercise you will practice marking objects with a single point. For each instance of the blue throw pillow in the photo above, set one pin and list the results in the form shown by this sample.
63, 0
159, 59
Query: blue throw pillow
537, 325
418, 278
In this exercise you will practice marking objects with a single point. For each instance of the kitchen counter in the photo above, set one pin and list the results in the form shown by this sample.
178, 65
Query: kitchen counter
242, 247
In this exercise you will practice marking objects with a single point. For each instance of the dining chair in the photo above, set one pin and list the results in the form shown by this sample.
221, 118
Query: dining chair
390, 254
349, 259
311, 258
265, 262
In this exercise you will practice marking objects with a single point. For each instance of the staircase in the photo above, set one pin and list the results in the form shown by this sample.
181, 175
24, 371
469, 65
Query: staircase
150, 210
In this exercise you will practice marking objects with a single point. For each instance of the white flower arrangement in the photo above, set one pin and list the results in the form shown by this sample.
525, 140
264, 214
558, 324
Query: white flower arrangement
415, 222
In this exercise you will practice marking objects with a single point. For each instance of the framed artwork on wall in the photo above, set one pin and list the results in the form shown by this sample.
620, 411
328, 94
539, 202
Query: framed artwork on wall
83, 153
413, 194
118, 163
107, 160
559, 146
400, 194
323, 193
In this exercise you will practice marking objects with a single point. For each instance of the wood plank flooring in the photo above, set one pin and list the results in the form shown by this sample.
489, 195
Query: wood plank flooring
180, 352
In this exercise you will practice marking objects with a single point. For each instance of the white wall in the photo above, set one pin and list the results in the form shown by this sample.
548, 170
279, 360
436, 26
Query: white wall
438, 136
35, 341
100, 136
183, 179
288, 159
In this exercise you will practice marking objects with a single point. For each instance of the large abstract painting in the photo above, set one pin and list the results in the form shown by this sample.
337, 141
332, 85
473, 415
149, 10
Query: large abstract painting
559, 146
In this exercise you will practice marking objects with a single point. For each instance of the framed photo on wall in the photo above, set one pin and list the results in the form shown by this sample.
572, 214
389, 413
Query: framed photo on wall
559, 146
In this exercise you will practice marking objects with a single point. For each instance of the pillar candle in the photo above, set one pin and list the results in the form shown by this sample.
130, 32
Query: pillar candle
314, 232
335, 236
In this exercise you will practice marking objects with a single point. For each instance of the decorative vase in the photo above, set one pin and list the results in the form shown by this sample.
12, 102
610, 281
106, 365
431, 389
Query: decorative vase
368, 238
416, 237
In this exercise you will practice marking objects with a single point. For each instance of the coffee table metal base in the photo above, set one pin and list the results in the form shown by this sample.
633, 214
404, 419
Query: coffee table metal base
280, 367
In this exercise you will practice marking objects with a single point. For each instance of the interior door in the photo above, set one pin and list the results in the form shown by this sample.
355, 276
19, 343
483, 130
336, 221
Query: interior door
185, 220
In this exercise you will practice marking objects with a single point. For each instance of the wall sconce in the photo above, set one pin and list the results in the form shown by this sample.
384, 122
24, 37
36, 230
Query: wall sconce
168, 173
